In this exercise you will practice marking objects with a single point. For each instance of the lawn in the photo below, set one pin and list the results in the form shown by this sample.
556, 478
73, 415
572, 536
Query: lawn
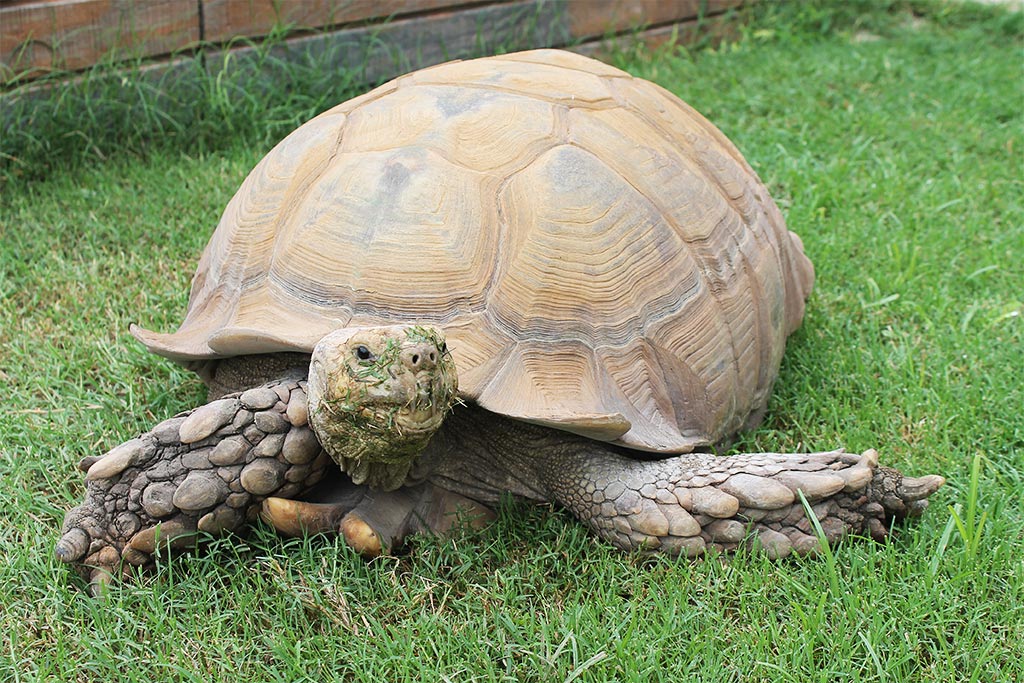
893, 143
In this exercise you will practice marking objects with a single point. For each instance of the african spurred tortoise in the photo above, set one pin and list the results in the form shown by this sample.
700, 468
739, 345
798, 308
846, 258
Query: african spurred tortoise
609, 276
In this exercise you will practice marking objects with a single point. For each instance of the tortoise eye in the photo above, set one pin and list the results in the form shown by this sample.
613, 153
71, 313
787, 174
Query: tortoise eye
363, 353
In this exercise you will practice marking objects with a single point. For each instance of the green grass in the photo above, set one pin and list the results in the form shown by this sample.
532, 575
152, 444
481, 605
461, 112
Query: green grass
894, 147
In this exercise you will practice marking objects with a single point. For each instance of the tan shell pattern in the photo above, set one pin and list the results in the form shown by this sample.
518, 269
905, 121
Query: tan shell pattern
601, 258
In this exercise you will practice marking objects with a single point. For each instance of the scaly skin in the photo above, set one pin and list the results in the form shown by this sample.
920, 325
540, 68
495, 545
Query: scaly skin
688, 504
383, 391
681, 505
207, 471
216, 468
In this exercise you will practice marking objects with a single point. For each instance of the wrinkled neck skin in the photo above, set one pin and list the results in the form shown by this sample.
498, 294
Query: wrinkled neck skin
483, 456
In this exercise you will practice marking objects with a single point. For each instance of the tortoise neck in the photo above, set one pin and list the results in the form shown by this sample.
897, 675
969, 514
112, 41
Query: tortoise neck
230, 375
483, 455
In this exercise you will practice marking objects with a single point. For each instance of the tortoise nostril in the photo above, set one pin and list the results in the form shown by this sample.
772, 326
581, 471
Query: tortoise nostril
420, 357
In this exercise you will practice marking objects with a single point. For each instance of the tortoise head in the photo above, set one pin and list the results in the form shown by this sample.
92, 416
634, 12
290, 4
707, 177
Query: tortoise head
376, 397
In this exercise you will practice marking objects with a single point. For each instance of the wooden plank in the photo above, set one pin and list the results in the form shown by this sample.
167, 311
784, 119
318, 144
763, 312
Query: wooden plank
592, 18
74, 34
41, 35
227, 19
714, 29
376, 53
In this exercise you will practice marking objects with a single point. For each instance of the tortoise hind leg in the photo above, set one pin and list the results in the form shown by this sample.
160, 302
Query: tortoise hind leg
205, 471
376, 522
685, 504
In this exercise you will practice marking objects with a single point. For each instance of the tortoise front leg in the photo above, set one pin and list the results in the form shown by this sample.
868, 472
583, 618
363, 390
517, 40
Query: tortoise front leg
205, 471
686, 504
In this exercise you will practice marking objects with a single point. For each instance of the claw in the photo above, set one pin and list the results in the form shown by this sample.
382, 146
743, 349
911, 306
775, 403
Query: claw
101, 566
877, 529
361, 536
99, 581
173, 534
913, 489
135, 557
72, 546
298, 518
917, 508
88, 461
199, 473
869, 458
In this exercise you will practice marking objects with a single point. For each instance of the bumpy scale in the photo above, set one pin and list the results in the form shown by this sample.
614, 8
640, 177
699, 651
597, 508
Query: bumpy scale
205, 471
679, 505
219, 466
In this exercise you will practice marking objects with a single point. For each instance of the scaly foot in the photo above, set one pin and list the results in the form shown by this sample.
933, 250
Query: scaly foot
687, 504
204, 471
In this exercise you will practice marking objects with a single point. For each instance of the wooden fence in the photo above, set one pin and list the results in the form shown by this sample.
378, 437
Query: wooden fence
384, 36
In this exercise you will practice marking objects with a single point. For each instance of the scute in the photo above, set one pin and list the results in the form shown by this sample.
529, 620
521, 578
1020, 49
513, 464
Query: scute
538, 80
602, 259
569, 202
489, 131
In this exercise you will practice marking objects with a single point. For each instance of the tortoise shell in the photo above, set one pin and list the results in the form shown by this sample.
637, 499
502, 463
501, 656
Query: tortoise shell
600, 257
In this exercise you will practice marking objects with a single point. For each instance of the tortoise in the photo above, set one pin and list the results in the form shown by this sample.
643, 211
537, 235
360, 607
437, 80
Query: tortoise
609, 277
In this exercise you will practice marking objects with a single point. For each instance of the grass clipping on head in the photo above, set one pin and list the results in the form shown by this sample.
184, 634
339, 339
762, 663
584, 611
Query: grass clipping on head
374, 415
